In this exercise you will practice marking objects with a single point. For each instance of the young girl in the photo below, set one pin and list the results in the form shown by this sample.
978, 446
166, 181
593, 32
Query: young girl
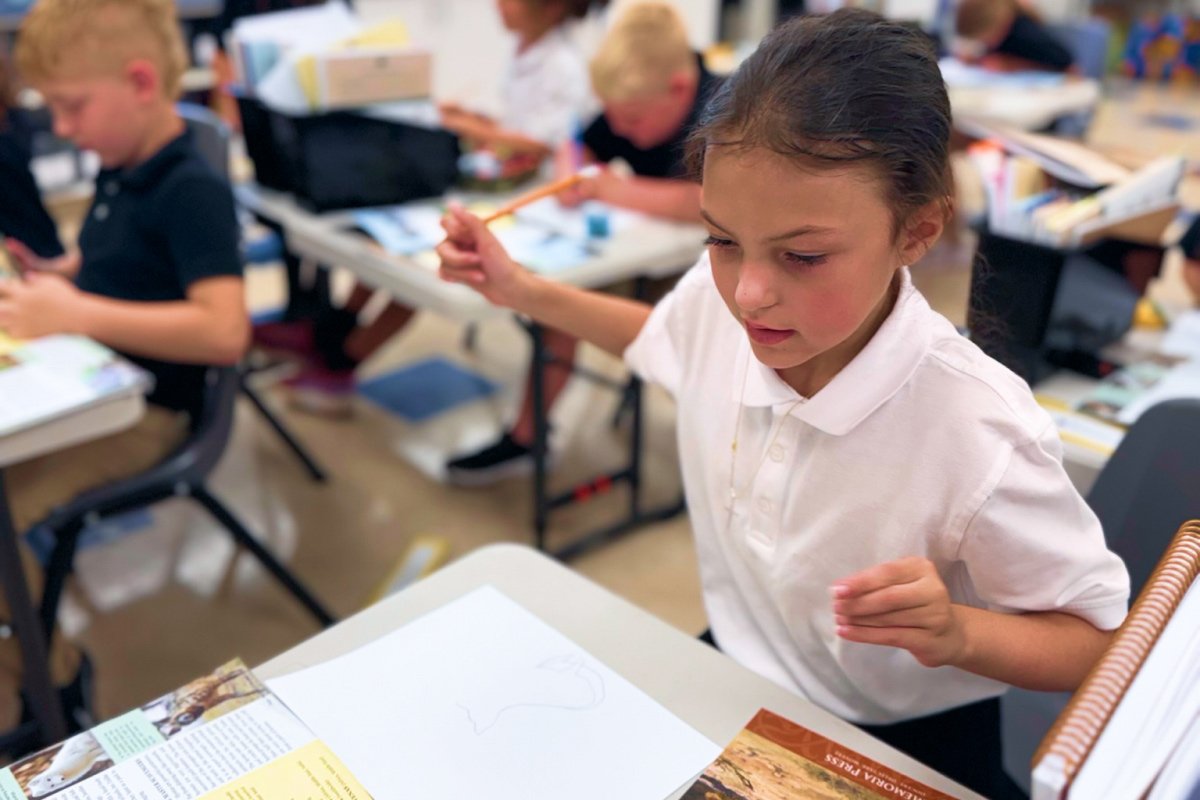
882, 520
545, 93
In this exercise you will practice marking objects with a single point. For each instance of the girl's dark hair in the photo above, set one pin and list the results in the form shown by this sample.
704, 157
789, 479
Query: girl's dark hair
848, 87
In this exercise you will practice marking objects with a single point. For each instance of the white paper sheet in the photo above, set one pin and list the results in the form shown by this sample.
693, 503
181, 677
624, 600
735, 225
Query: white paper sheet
482, 699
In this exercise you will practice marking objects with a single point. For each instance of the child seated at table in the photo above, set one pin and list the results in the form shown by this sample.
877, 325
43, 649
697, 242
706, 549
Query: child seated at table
158, 273
883, 523
653, 87
1006, 36
545, 90
544, 93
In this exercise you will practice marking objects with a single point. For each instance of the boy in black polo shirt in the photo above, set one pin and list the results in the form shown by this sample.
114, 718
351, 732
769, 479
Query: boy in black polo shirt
654, 88
158, 272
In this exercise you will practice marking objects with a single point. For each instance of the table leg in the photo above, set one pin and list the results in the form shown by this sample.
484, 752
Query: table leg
39, 686
541, 427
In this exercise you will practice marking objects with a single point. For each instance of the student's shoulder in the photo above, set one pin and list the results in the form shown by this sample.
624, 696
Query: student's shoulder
979, 393
192, 181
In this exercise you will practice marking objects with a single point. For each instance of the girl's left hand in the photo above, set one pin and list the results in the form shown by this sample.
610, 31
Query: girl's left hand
902, 603
39, 305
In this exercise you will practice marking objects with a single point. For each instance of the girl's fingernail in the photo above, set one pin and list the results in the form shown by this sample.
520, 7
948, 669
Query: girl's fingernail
839, 590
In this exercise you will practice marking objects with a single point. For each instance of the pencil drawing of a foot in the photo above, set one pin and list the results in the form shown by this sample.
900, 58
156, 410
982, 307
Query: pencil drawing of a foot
562, 683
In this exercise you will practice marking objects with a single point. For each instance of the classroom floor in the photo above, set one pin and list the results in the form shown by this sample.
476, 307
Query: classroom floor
170, 600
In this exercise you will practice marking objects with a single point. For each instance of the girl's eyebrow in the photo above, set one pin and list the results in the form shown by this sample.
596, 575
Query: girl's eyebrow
803, 230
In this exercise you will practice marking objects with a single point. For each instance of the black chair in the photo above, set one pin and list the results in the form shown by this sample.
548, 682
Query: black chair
211, 136
183, 473
1149, 487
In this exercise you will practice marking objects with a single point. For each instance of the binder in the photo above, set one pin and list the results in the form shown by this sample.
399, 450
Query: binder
1074, 735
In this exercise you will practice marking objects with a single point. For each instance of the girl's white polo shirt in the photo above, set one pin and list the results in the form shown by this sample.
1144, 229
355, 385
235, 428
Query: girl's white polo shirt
546, 90
921, 446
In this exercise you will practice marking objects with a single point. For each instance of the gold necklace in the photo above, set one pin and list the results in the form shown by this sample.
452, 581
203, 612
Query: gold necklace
734, 494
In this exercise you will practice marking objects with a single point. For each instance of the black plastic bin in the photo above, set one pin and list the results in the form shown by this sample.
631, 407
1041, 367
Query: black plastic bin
1025, 300
345, 159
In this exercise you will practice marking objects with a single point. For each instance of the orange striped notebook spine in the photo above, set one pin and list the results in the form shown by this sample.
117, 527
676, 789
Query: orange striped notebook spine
1068, 743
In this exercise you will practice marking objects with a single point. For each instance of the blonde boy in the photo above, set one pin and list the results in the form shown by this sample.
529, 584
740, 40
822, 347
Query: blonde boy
157, 275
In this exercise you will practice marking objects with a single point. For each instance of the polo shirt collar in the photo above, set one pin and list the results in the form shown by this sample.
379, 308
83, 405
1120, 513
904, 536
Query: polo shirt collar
867, 382
150, 172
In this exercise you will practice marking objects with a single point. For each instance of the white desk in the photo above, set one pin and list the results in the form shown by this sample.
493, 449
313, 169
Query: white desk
695, 682
89, 422
649, 249
654, 248
1029, 109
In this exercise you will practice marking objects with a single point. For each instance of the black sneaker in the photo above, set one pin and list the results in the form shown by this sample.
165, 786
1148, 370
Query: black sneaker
507, 458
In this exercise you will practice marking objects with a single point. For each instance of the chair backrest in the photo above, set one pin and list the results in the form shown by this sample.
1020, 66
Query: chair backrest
1087, 39
1150, 486
211, 135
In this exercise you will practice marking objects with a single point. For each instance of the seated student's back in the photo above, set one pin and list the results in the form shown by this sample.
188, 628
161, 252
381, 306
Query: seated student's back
1010, 37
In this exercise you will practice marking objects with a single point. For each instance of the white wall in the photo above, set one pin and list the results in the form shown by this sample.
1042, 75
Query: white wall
472, 48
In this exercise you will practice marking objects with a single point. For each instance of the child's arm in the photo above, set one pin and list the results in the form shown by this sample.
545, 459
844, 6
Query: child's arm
209, 327
661, 197
488, 132
472, 255
905, 604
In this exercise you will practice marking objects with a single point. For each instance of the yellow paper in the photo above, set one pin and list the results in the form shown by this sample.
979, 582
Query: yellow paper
306, 74
391, 33
312, 772
8, 343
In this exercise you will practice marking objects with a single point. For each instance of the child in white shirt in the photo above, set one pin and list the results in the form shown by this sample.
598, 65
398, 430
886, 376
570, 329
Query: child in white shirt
546, 91
882, 519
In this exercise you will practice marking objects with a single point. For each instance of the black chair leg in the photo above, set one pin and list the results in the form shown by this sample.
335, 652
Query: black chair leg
60, 566
243, 537
314, 470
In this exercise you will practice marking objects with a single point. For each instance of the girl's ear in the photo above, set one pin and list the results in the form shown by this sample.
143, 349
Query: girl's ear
923, 230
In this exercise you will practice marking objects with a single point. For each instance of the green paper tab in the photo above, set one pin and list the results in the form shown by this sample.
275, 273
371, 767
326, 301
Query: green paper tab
127, 736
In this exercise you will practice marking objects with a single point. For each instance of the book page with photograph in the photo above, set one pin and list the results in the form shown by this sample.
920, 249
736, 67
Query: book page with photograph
776, 759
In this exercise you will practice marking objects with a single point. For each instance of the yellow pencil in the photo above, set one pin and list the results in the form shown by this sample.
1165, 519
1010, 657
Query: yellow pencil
543, 191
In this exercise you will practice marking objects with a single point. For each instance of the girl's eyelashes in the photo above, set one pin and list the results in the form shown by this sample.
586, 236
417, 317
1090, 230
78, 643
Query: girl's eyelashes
801, 259
805, 260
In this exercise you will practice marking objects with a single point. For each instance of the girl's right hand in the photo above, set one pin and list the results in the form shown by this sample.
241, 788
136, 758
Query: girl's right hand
471, 254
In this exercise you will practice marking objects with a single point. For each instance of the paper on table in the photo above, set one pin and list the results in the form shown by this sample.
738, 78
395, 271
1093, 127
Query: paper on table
483, 699
1183, 381
572, 222
1183, 339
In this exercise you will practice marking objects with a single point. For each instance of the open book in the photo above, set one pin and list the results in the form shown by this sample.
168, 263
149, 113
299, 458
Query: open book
1133, 728
221, 736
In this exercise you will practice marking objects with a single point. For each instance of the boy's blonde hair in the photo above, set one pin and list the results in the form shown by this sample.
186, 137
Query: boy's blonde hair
977, 18
86, 38
646, 47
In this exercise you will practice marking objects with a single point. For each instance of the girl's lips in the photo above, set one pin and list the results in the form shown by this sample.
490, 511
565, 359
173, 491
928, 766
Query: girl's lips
768, 336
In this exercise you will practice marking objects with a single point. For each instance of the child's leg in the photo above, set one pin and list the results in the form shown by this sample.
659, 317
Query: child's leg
65, 657
36, 487
557, 375
962, 743
512, 454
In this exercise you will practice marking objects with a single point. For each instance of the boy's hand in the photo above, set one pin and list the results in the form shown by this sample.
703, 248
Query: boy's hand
40, 305
471, 254
598, 187
29, 261
902, 603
